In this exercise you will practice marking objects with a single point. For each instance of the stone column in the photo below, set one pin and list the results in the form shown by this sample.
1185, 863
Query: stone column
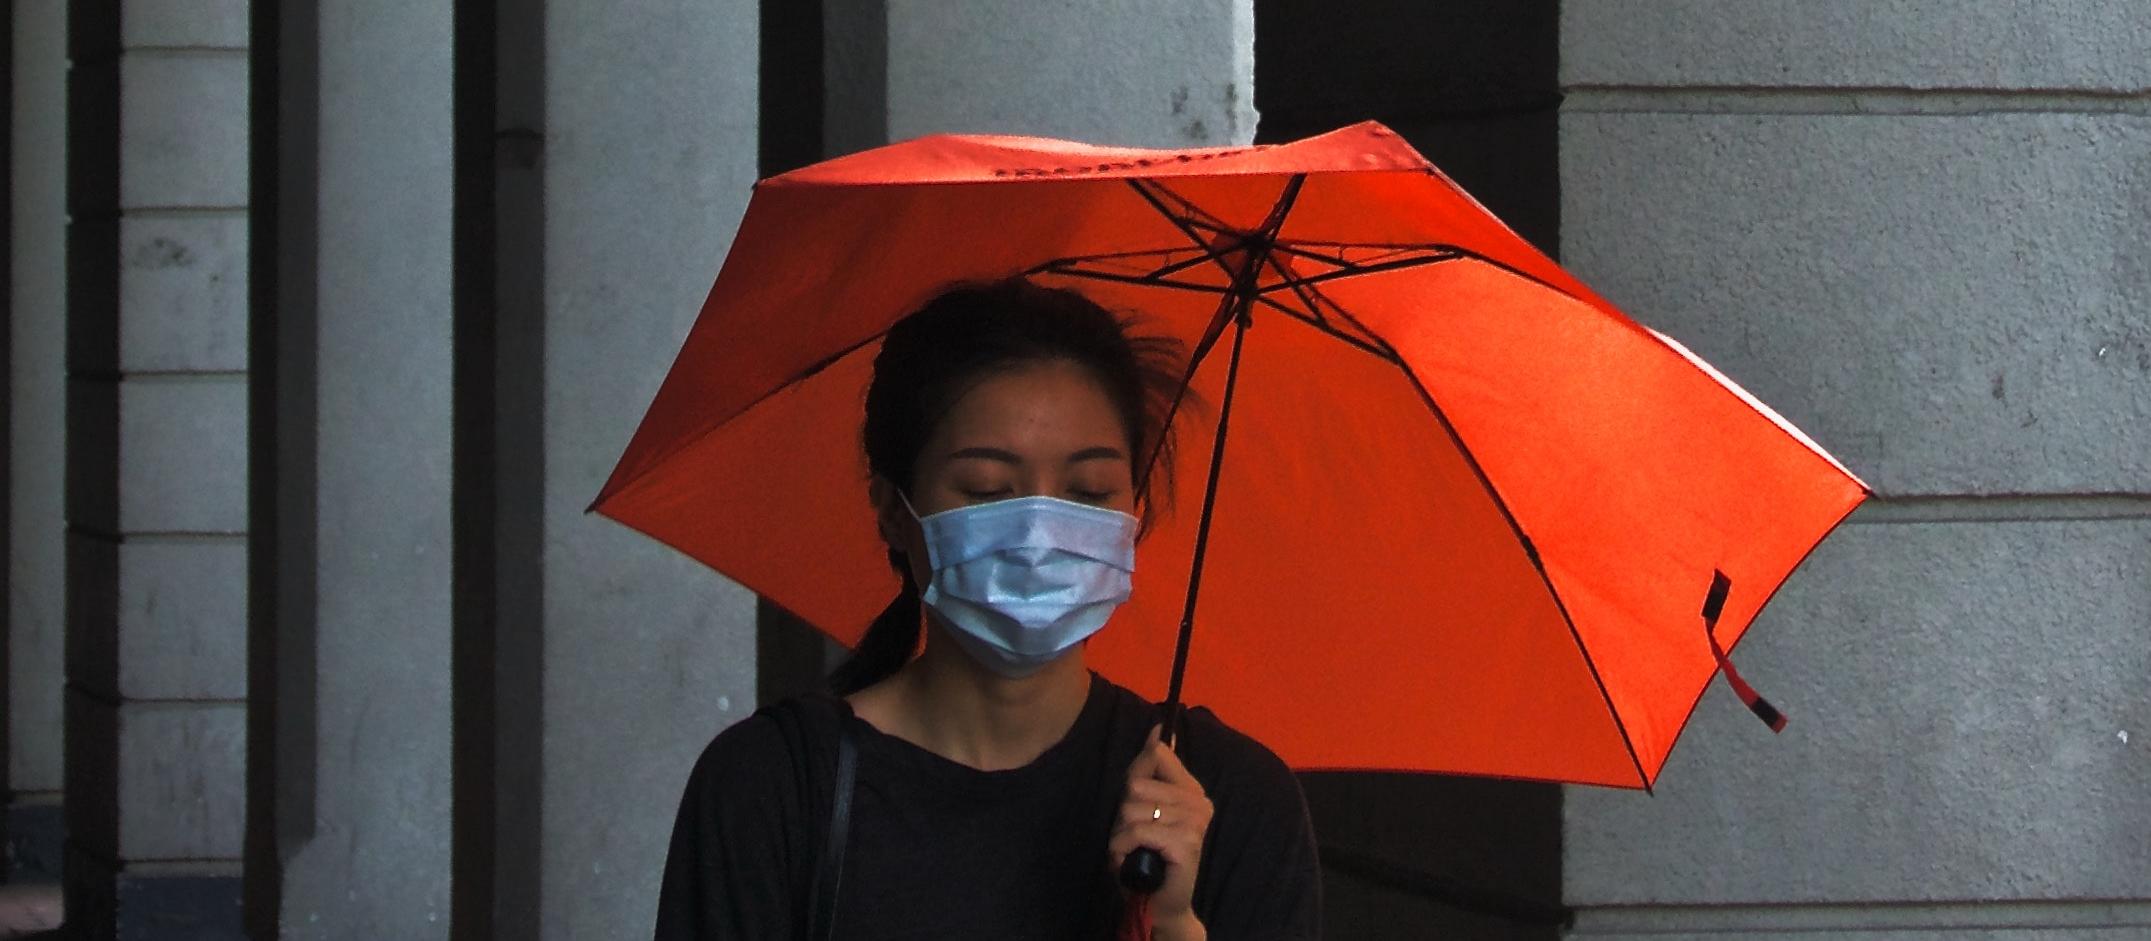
36, 402
156, 457
1919, 230
1147, 73
649, 152
353, 799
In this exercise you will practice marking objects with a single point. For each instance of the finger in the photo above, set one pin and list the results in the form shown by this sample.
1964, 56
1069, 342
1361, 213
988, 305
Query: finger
1179, 846
1146, 760
1147, 811
1192, 820
1156, 791
1169, 769
1195, 817
1150, 792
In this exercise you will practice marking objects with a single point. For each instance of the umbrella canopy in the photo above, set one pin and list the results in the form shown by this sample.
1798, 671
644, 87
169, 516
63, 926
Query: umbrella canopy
1469, 511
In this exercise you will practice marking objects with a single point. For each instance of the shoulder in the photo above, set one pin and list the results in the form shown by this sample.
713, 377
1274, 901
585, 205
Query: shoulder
1232, 765
1228, 762
774, 750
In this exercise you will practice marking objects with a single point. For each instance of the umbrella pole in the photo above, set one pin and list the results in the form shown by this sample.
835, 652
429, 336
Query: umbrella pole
1202, 527
1143, 871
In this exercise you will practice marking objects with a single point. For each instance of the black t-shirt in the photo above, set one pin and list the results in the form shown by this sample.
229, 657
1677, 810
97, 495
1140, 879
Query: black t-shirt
940, 850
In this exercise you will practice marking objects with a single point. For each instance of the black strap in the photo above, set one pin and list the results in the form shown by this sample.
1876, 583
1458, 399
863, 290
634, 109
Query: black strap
829, 877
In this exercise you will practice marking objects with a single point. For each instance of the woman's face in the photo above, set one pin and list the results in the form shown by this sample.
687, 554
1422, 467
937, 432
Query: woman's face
1037, 429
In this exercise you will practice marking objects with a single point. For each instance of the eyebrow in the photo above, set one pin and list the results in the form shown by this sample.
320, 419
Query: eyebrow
1009, 457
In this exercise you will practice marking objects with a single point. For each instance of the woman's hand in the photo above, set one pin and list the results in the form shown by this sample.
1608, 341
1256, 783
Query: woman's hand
1164, 809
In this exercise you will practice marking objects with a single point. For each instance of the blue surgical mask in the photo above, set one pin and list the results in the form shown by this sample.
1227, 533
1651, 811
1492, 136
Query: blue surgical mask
1021, 581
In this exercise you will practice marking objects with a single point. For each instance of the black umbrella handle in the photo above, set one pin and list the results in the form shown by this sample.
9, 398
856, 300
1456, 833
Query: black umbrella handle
1143, 871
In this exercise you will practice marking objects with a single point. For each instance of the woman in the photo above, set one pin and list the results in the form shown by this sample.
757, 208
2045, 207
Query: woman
998, 782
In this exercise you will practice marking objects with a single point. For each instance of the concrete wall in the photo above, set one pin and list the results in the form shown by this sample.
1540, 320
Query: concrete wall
1153, 73
363, 779
1919, 232
649, 120
156, 445
36, 402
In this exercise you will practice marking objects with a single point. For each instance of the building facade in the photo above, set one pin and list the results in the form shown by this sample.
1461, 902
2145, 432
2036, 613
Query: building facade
327, 318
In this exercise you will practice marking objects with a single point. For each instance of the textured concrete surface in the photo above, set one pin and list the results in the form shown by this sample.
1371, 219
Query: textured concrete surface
36, 832
181, 442
192, 24
158, 617
650, 116
182, 619
156, 468
1952, 305
1969, 721
36, 397
2085, 44
1157, 73
1916, 229
182, 793
1971, 921
183, 293
183, 120
377, 862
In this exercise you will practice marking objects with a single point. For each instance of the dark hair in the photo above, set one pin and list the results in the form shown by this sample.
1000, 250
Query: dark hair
935, 355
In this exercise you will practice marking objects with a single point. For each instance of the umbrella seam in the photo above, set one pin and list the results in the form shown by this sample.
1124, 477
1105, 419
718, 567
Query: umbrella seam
1530, 549
1538, 565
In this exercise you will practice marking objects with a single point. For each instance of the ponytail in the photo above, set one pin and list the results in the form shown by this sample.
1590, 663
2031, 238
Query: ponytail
889, 641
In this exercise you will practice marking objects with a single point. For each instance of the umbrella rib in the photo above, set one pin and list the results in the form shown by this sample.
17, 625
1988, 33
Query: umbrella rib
1266, 301
1509, 516
1142, 279
1537, 564
1298, 248
1188, 223
1360, 270
1313, 318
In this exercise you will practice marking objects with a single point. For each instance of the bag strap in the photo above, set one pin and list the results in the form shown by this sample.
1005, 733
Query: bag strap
829, 875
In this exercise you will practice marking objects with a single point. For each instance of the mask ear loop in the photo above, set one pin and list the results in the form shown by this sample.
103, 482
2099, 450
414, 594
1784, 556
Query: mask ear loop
906, 500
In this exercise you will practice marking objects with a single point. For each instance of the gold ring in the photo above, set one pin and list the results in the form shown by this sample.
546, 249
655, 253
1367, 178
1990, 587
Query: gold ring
1157, 813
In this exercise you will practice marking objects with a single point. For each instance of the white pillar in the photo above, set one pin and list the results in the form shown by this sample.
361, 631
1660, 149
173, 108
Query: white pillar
36, 402
156, 458
1148, 73
362, 781
649, 117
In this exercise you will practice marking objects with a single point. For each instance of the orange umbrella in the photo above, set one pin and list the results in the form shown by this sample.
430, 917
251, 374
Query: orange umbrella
1469, 511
